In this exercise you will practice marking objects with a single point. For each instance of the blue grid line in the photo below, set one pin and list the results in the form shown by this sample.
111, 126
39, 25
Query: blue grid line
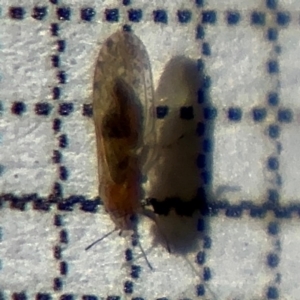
233, 114
204, 157
272, 259
211, 208
89, 14
62, 109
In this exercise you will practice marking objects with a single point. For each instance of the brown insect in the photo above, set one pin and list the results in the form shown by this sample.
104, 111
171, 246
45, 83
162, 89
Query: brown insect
123, 116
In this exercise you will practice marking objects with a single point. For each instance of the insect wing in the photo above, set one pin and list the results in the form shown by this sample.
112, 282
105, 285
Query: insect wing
123, 103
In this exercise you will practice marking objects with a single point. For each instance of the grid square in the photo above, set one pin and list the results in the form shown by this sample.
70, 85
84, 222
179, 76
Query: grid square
290, 5
290, 259
26, 249
237, 264
80, 158
26, 67
174, 47
290, 163
80, 71
26, 149
233, 4
238, 163
98, 264
290, 75
178, 268
237, 66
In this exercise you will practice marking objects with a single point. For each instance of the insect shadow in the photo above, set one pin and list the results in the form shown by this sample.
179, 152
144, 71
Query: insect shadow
179, 178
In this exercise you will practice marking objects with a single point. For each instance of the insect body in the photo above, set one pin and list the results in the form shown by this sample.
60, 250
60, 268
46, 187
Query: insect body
117, 142
123, 117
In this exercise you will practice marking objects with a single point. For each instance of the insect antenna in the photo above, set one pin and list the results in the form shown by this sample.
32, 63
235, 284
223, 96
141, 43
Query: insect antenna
99, 240
136, 237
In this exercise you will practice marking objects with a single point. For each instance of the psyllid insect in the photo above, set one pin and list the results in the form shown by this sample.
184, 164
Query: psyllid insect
123, 112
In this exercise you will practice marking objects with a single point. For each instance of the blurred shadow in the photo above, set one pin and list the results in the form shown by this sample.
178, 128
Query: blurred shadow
179, 178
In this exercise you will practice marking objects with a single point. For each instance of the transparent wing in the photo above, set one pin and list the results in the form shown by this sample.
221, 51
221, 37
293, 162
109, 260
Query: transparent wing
123, 85
139, 76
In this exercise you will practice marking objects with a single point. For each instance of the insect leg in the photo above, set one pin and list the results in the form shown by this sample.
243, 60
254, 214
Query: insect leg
136, 236
99, 240
151, 215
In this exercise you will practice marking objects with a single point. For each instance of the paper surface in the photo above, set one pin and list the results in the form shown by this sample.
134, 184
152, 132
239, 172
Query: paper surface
239, 141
